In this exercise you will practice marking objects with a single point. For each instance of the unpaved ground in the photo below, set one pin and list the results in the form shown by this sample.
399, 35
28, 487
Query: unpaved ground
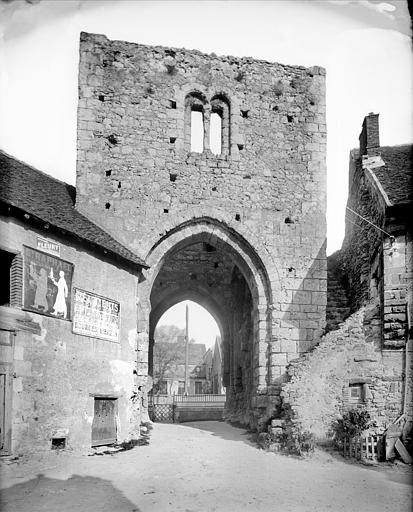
201, 467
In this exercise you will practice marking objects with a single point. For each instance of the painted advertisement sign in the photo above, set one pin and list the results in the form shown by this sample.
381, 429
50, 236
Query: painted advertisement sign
47, 284
95, 316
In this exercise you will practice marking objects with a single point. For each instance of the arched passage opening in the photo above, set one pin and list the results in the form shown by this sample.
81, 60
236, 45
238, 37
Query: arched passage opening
187, 351
216, 268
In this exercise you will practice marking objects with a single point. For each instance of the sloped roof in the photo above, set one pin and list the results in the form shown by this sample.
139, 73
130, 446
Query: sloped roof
53, 202
396, 176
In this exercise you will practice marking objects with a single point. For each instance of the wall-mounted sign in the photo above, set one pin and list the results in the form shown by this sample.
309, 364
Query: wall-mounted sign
47, 284
48, 246
95, 316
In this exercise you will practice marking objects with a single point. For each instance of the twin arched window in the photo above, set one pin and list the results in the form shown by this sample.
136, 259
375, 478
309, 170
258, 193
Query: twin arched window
207, 124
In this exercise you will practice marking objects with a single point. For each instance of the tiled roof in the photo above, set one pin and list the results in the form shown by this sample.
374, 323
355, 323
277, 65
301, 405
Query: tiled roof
396, 176
53, 202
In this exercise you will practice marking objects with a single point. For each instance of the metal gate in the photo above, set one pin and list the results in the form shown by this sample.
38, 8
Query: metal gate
161, 408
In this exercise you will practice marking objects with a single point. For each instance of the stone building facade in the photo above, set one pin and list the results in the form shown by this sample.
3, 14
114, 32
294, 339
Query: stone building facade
68, 321
366, 358
236, 222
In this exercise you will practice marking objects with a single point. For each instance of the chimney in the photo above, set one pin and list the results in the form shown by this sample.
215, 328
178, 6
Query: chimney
369, 136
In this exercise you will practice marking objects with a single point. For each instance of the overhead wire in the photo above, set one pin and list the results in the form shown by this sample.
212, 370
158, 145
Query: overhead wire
347, 207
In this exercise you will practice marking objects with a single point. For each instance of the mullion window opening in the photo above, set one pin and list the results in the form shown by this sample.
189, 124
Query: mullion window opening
215, 139
197, 131
220, 125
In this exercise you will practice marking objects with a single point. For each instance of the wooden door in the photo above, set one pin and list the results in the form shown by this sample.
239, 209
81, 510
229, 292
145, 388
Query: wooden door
5, 408
104, 421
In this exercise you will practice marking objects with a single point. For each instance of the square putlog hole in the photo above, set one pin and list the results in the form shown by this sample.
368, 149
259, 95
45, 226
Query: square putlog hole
58, 443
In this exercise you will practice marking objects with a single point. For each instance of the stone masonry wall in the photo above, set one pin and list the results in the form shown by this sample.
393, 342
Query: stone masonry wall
56, 373
138, 178
361, 240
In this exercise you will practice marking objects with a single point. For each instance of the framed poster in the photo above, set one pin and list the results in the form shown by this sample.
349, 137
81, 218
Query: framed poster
95, 316
47, 284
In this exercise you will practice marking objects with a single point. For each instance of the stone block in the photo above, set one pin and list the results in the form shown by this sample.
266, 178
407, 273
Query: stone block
277, 423
278, 359
288, 346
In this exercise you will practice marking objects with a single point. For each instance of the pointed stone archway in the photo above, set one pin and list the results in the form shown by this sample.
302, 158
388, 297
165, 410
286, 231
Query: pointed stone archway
205, 261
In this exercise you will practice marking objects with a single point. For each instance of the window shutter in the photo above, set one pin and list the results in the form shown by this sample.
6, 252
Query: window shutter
16, 281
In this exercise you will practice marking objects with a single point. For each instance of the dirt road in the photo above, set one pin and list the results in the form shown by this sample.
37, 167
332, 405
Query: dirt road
201, 467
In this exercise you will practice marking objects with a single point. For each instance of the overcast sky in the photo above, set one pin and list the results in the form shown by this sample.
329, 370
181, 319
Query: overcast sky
364, 46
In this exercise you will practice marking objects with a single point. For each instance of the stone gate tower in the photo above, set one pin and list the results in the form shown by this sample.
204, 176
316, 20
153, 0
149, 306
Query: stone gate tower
236, 223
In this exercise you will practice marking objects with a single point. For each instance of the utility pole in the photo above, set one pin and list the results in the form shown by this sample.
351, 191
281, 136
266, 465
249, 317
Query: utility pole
186, 348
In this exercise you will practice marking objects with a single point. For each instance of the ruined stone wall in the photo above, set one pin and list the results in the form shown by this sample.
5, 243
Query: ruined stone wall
56, 373
319, 390
138, 178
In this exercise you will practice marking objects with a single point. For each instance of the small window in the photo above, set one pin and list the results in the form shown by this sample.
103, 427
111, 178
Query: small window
198, 387
11, 289
356, 394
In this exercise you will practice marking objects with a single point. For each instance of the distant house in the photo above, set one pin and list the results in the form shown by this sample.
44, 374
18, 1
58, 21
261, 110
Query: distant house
169, 368
68, 320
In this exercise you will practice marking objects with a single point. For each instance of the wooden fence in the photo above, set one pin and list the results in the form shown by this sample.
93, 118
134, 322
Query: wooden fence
361, 447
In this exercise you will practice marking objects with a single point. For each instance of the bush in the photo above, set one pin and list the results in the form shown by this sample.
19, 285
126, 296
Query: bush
352, 424
296, 441
292, 440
